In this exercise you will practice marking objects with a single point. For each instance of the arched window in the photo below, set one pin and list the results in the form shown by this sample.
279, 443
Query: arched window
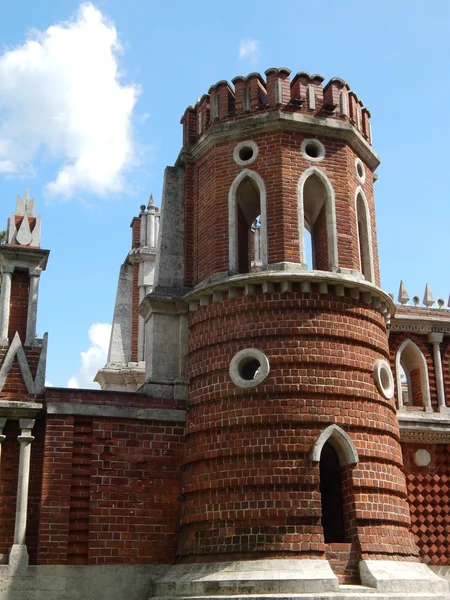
410, 364
364, 236
316, 213
331, 495
246, 212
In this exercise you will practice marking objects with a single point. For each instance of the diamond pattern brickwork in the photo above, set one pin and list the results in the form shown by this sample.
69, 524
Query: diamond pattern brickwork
429, 500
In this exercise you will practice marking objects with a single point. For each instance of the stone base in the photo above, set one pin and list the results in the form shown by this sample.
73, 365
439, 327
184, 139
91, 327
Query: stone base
18, 556
401, 577
248, 577
300, 580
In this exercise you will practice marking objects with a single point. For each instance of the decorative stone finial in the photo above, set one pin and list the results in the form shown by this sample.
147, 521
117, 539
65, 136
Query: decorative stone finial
22, 228
441, 302
403, 296
142, 208
24, 206
428, 298
416, 300
151, 202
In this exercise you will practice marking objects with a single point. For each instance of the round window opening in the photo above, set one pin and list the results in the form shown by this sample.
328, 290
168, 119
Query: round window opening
312, 149
249, 368
246, 153
360, 170
383, 378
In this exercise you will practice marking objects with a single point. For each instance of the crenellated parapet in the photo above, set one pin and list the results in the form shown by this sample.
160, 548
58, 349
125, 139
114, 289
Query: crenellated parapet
254, 95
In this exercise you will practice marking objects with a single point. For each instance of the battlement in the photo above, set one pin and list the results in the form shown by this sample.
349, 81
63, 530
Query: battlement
253, 94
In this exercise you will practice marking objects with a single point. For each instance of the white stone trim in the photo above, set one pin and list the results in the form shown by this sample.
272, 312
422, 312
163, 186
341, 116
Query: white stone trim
333, 262
19, 555
423, 375
341, 443
34, 386
320, 147
367, 235
422, 457
232, 218
5, 301
381, 372
435, 338
359, 163
244, 356
238, 148
116, 412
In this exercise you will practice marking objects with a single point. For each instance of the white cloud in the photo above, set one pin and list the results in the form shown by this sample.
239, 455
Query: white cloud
48, 383
62, 98
94, 358
249, 48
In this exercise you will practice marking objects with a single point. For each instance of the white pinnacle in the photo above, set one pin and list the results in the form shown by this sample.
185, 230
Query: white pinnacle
428, 298
403, 296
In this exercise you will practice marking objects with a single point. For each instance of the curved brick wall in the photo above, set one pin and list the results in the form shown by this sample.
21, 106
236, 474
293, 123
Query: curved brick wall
249, 485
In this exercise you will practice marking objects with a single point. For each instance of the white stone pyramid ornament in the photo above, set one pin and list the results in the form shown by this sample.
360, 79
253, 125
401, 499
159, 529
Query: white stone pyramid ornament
403, 296
24, 235
428, 298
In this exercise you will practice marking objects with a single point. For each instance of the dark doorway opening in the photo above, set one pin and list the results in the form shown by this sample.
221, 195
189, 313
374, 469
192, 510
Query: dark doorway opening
331, 493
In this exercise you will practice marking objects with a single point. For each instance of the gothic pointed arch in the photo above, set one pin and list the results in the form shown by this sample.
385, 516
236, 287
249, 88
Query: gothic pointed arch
341, 443
317, 213
364, 229
411, 360
246, 202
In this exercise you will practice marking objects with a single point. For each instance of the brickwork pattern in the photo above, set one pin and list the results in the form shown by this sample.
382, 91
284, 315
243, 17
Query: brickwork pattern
111, 488
429, 502
248, 484
280, 163
19, 305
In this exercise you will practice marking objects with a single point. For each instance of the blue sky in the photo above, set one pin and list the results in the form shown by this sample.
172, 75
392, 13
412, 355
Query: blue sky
91, 97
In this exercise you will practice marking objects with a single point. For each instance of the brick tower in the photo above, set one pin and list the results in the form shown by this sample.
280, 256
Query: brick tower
292, 442
22, 379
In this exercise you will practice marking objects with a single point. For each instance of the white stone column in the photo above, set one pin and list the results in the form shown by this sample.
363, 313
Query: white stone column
18, 556
435, 339
5, 301
32, 305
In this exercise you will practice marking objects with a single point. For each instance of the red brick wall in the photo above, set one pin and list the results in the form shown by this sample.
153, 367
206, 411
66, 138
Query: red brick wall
249, 485
429, 501
14, 387
280, 163
8, 484
19, 305
111, 487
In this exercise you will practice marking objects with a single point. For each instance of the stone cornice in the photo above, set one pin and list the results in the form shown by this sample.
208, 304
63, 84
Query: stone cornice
276, 120
126, 377
19, 410
118, 412
328, 282
422, 324
24, 257
428, 428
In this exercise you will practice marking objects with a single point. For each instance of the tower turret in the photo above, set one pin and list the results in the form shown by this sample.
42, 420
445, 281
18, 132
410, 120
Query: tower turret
292, 441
